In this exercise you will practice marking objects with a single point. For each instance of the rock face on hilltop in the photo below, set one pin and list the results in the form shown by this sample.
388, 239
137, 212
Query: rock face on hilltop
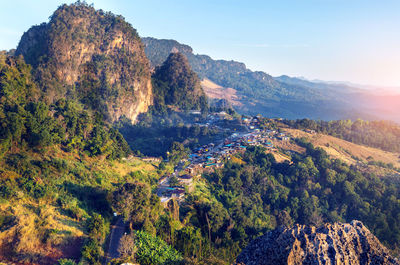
330, 244
91, 55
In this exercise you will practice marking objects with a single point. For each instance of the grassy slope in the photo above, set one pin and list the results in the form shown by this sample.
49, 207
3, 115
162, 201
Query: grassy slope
344, 150
42, 231
214, 91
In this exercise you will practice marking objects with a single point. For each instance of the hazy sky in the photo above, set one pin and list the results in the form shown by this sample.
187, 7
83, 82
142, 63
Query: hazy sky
341, 40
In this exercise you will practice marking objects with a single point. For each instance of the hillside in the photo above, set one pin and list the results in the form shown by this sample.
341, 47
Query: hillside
217, 92
258, 92
328, 244
176, 84
44, 218
285, 97
346, 151
91, 55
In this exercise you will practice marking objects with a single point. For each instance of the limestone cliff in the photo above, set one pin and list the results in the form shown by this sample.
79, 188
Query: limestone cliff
93, 56
329, 244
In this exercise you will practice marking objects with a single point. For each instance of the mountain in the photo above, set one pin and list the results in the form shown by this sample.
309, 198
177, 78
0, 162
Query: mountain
297, 81
371, 102
176, 84
329, 244
256, 92
91, 55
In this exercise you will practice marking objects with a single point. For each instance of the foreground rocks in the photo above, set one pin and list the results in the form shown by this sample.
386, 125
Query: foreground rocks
329, 244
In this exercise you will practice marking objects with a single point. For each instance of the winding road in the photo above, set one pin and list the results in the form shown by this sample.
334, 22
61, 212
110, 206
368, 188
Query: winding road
117, 231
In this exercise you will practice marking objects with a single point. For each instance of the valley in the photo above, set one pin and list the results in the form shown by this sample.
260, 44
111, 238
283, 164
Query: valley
118, 149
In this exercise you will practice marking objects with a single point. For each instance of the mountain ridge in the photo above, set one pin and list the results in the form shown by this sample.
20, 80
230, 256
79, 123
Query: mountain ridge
278, 97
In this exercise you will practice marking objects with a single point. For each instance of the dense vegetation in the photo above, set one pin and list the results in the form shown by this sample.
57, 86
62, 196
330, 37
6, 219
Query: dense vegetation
27, 122
154, 136
384, 135
174, 83
39, 144
254, 194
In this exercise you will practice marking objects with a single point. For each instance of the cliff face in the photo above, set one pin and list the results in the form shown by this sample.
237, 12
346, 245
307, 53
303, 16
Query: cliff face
91, 55
330, 244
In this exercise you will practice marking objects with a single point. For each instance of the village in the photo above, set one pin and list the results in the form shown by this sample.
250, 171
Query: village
209, 157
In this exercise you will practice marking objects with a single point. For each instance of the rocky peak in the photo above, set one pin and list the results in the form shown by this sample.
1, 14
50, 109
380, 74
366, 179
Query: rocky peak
92, 55
336, 243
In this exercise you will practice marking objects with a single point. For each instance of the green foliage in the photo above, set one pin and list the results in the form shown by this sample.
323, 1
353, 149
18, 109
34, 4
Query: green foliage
156, 137
261, 194
66, 262
190, 241
174, 83
154, 251
173, 181
96, 228
24, 120
137, 204
92, 252
178, 152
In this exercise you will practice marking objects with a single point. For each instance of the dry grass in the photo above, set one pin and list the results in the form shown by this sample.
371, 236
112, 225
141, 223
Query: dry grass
41, 231
279, 157
215, 91
37, 234
345, 150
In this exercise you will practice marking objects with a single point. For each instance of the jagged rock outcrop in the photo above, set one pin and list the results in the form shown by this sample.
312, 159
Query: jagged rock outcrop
329, 244
91, 55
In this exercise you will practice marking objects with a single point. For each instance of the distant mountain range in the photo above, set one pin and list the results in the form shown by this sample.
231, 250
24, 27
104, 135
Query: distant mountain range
286, 97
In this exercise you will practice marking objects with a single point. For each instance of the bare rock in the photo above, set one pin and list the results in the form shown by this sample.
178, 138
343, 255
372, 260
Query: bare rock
91, 55
329, 244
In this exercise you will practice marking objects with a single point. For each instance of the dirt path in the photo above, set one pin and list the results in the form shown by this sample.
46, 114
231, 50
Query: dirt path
117, 231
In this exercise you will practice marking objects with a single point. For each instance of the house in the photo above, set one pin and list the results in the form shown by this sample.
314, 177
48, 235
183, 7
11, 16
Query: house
178, 194
185, 179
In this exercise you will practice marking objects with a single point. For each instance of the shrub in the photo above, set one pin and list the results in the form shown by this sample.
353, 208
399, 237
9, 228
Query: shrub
91, 252
66, 262
153, 251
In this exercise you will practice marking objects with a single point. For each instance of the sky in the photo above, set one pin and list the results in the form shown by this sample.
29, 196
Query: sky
333, 40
